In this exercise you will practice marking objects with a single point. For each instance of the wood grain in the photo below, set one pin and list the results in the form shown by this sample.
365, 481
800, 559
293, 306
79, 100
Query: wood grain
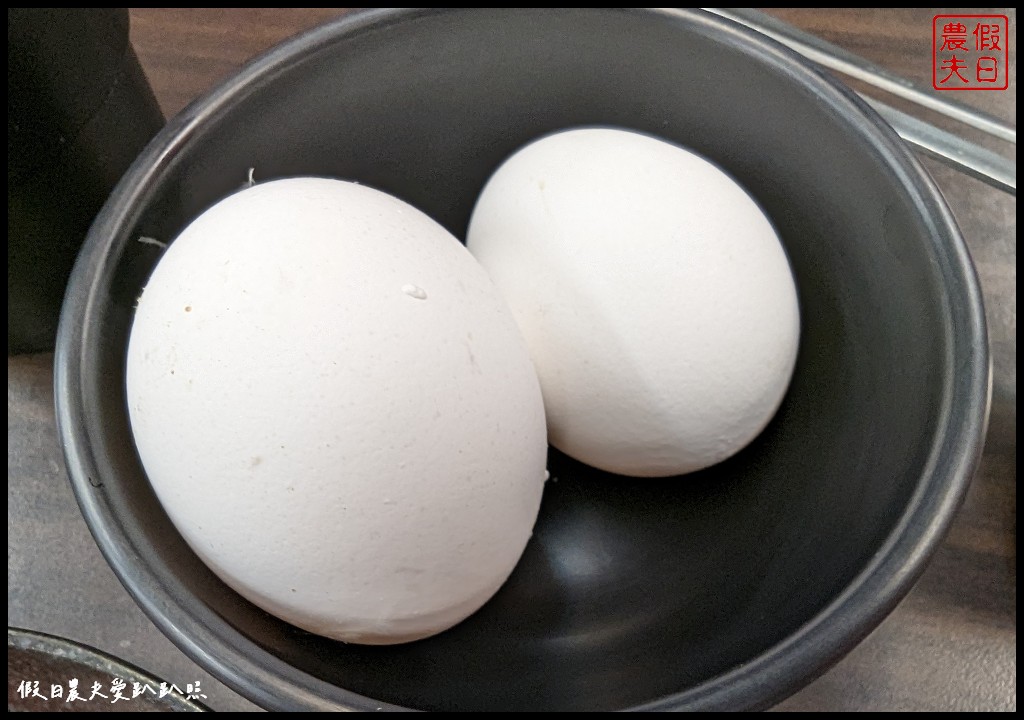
951, 645
187, 51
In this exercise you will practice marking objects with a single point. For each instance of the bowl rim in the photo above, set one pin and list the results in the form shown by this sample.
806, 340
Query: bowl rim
776, 673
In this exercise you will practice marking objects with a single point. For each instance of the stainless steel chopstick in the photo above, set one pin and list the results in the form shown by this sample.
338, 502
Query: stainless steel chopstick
973, 160
946, 147
841, 60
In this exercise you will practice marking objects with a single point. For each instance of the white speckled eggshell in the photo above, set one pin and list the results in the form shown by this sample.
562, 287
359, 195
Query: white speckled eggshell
336, 409
654, 295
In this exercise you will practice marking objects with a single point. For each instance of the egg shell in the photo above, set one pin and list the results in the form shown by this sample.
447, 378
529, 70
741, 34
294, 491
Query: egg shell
337, 411
656, 299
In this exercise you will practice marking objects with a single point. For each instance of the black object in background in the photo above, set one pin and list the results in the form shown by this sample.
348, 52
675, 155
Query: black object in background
79, 109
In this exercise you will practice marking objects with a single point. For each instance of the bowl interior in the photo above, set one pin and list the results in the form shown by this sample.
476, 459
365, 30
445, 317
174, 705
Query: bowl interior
631, 590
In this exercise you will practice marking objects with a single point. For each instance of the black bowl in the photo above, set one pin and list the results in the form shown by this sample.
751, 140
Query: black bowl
725, 589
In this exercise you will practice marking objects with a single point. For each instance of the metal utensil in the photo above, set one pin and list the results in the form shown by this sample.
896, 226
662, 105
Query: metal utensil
972, 159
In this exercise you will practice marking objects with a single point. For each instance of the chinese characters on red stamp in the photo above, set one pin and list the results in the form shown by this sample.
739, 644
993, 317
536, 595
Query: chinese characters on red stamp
970, 52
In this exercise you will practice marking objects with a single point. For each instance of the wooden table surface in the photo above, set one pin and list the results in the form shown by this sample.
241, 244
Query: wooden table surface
951, 645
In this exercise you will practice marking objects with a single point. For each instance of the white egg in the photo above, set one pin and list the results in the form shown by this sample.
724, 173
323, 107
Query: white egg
337, 411
656, 299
